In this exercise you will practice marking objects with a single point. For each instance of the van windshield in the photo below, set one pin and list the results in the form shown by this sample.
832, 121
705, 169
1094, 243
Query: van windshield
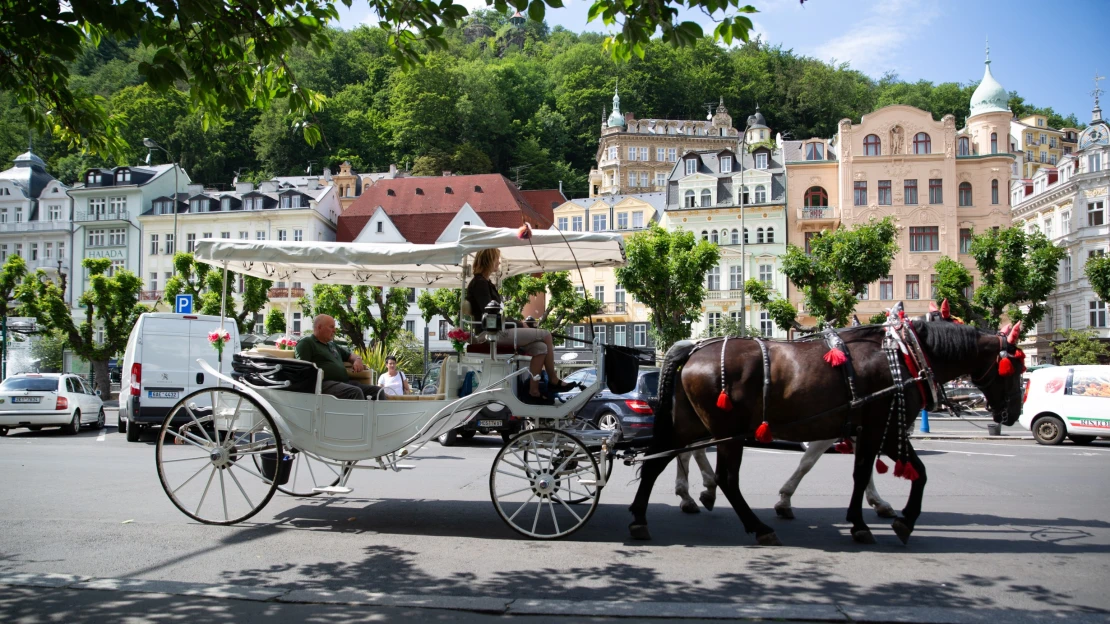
36, 384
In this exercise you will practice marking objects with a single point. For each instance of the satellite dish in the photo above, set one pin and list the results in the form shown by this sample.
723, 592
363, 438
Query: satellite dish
568, 357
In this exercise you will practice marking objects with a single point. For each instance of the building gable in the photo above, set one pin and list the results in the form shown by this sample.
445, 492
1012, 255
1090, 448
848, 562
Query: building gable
466, 216
380, 229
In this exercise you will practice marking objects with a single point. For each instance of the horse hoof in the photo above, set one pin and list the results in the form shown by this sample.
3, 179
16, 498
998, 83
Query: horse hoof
886, 512
863, 536
784, 511
689, 507
768, 539
708, 501
639, 531
901, 530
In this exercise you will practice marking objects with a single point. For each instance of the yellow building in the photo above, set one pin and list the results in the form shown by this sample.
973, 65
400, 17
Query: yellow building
1036, 144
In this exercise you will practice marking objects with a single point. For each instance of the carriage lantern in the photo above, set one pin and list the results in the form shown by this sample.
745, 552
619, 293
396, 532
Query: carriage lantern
491, 319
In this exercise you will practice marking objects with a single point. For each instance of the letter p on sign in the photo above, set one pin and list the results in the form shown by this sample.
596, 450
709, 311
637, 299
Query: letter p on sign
183, 304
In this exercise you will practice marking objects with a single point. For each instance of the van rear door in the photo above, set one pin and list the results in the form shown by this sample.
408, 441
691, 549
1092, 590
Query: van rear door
165, 361
200, 348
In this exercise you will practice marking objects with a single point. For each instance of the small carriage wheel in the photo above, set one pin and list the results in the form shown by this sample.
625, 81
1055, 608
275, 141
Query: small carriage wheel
306, 472
201, 462
536, 475
585, 425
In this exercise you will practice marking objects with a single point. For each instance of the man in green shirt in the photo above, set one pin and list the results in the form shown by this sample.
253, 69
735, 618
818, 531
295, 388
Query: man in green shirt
321, 350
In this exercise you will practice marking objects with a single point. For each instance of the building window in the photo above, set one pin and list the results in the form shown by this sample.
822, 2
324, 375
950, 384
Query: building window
815, 197
561, 223
766, 327
706, 198
644, 178
925, 238
170, 247
689, 200
259, 236
965, 146
910, 188
922, 144
759, 236
576, 224
994, 191
714, 238
872, 146
713, 279
55, 213
153, 280
1094, 163
735, 237
691, 166
761, 160
1065, 222
1097, 310
735, 278
1065, 269
760, 194
766, 275
600, 222
886, 288
712, 319
637, 220
1048, 226
726, 164
117, 205
117, 237
913, 287
965, 193
48, 251
672, 154
770, 234
865, 294
994, 142
815, 151
34, 252
154, 245
225, 235
190, 242
965, 240
599, 292
936, 191
1095, 213
612, 152
884, 193
282, 235
660, 154
809, 236
631, 178
619, 335
96, 238
860, 187
660, 179
639, 332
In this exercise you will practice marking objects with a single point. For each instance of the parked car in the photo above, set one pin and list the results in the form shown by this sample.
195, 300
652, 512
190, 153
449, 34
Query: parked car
492, 419
37, 400
630, 414
161, 366
1071, 401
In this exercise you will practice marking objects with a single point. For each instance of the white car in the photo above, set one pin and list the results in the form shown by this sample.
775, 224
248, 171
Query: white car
1067, 401
37, 400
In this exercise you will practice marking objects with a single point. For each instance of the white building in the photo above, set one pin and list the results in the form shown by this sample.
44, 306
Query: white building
106, 209
1070, 205
36, 218
282, 209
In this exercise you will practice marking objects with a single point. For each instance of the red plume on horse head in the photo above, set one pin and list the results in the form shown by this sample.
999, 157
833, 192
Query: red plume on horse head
945, 310
1015, 332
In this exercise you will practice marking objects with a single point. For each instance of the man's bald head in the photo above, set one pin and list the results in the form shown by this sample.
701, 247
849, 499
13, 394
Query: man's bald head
323, 328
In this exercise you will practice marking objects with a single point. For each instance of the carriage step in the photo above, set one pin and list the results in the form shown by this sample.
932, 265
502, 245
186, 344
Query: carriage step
333, 489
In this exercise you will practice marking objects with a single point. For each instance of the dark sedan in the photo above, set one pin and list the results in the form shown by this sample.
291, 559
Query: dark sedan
629, 413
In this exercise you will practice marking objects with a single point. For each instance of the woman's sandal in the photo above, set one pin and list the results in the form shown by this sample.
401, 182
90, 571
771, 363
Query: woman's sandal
564, 386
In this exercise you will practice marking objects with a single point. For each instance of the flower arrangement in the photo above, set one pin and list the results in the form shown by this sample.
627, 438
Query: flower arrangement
218, 338
286, 344
459, 337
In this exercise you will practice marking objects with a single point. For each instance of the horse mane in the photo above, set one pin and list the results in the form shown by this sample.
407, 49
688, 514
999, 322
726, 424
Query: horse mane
950, 341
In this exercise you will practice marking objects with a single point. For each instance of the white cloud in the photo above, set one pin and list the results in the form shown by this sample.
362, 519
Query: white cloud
874, 43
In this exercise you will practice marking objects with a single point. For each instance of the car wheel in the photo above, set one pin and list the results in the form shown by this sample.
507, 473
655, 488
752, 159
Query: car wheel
468, 435
99, 420
1049, 430
610, 422
35, 427
3, 431
133, 432
74, 425
449, 439
121, 423
1082, 440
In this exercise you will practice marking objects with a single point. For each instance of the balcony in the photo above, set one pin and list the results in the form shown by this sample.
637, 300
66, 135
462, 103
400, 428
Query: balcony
35, 226
286, 293
807, 213
614, 307
122, 215
723, 295
151, 295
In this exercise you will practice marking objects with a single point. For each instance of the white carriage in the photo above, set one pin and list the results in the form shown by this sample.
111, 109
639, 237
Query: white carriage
223, 451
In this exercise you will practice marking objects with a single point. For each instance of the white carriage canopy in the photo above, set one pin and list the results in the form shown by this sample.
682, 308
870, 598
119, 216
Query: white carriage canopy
438, 265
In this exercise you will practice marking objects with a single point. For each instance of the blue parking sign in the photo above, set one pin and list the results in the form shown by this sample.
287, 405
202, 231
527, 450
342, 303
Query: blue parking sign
183, 304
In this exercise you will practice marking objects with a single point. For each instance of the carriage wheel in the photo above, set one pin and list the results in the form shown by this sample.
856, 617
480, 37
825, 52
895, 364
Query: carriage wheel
307, 472
202, 464
534, 478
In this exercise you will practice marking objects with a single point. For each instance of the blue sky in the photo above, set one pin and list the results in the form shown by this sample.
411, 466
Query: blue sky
935, 40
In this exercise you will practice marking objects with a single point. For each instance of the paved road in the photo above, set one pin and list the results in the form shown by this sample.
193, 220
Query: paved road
1008, 525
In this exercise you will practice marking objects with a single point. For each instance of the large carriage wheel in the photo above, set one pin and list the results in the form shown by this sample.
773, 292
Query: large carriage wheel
202, 464
306, 473
534, 478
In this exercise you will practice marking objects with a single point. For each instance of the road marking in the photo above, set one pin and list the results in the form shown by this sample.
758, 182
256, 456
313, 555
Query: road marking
1032, 445
971, 453
773, 452
103, 433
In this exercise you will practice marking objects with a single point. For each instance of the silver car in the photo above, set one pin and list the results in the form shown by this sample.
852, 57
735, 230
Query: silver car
37, 400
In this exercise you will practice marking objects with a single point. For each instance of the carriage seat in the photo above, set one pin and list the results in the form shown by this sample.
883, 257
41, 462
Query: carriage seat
483, 348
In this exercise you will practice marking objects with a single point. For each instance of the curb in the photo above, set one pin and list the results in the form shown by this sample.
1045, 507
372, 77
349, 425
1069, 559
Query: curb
553, 607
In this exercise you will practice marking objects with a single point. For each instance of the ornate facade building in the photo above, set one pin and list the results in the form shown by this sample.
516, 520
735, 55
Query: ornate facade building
637, 155
940, 183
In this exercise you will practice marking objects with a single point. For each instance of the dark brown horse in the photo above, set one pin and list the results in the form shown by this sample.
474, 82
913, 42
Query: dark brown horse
803, 404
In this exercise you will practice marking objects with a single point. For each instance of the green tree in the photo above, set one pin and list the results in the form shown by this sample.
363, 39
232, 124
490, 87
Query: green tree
111, 304
361, 309
47, 348
1098, 274
205, 283
564, 306
729, 327
953, 279
275, 321
1080, 347
666, 272
1016, 268
842, 263
445, 302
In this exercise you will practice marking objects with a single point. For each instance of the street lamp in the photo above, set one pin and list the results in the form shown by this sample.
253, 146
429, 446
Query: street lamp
151, 145
743, 231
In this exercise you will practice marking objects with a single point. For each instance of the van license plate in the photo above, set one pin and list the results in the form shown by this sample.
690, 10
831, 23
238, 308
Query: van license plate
26, 399
489, 423
162, 395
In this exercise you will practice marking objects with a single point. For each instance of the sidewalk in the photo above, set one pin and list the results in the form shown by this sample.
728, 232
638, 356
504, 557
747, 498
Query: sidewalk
945, 427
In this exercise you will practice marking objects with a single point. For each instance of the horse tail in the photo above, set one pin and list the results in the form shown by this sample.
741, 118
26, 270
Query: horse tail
663, 429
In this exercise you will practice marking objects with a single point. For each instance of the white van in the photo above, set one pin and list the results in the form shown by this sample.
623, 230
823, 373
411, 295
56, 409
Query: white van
161, 365
1072, 401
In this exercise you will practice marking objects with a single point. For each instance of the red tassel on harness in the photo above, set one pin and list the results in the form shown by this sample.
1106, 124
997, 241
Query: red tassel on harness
844, 446
899, 468
1005, 367
880, 466
723, 401
835, 357
910, 472
763, 433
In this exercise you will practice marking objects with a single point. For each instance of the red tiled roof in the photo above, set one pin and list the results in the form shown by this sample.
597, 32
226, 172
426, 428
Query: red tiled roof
422, 216
545, 201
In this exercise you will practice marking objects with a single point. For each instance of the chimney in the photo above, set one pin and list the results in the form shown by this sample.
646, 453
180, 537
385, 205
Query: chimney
393, 170
446, 173
560, 187
327, 173
194, 189
629, 117
313, 184
243, 187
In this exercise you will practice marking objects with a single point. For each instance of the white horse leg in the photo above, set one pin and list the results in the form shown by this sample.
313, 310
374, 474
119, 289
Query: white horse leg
708, 478
809, 458
881, 507
682, 485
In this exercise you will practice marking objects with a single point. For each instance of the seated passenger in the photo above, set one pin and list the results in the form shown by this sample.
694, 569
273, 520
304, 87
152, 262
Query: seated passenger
533, 342
321, 350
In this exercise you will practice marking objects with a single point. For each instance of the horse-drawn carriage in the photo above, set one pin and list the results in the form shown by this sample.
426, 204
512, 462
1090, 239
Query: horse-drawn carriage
269, 428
